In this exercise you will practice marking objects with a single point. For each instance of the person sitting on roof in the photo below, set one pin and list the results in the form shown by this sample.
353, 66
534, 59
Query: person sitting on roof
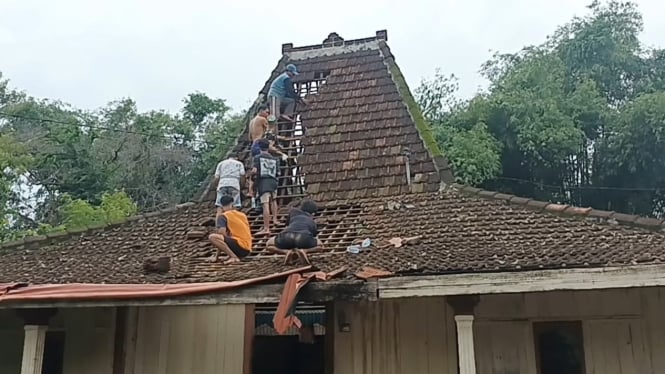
282, 96
300, 234
233, 235
229, 176
265, 169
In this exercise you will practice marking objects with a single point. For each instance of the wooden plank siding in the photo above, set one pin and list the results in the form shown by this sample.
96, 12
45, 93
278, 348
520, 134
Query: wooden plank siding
11, 342
396, 336
89, 337
190, 339
623, 331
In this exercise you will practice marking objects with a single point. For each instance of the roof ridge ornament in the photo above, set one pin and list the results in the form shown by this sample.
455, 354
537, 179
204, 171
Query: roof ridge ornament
332, 40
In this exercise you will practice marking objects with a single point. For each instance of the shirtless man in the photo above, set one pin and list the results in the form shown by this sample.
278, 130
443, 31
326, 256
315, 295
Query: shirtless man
258, 128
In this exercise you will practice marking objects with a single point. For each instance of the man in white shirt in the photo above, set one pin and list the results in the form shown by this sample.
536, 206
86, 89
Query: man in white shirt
229, 176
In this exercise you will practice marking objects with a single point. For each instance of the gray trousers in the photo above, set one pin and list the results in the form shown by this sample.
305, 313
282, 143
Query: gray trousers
282, 105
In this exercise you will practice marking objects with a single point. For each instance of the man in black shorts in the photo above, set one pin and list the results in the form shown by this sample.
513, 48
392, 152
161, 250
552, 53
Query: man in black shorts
233, 236
266, 168
299, 236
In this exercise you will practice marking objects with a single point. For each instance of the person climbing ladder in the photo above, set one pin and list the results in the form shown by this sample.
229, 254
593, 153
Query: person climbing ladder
265, 170
282, 96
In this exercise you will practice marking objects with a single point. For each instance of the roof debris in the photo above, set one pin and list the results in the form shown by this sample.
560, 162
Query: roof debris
159, 265
368, 272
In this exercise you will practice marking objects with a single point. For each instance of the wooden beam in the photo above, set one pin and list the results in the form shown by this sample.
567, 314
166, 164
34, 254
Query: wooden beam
525, 281
329, 339
316, 292
120, 337
248, 346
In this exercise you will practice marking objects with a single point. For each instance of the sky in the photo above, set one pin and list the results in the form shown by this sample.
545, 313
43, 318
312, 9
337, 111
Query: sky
88, 53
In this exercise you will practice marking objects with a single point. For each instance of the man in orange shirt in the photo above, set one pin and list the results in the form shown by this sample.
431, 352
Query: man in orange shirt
233, 235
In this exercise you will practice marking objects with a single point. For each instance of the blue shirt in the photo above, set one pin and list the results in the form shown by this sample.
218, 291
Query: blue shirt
282, 87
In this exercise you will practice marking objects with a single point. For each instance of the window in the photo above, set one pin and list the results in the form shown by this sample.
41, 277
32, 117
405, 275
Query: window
54, 352
559, 347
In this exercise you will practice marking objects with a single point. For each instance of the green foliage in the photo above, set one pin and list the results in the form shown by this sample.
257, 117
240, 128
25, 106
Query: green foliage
59, 163
414, 109
474, 152
114, 207
577, 119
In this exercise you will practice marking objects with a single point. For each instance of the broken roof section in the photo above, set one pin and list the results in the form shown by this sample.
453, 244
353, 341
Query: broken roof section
361, 119
362, 127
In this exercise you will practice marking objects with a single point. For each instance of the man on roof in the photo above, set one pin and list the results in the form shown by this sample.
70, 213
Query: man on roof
233, 236
265, 169
300, 235
260, 128
229, 177
282, 96
263, 126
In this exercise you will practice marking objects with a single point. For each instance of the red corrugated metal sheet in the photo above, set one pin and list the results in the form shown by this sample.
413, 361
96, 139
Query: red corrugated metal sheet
285, 315
15, 292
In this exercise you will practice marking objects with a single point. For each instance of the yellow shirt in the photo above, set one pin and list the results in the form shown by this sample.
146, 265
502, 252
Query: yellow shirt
237, 227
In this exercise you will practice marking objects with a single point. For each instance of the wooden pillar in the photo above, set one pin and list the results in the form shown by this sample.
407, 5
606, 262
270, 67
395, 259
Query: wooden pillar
33, 349
465, 351
464, 306
35, 326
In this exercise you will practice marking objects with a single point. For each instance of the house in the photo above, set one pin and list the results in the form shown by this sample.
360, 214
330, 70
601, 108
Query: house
456, 279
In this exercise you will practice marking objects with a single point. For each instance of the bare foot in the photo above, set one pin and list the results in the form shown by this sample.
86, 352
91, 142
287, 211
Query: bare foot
290, 257
231, 260
302, 256
263, 232
212, 259
275, 222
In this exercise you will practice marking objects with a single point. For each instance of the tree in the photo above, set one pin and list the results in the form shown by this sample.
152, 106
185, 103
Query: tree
54, 155
577, 119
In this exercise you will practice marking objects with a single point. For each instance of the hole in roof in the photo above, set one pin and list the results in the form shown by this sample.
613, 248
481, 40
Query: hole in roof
339, 227
313, 86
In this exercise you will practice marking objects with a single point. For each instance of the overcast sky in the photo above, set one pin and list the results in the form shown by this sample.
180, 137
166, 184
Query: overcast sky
89, 52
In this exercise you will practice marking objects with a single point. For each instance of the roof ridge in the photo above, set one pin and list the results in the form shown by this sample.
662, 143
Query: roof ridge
334, 40
424, 130
598, 215
59, 236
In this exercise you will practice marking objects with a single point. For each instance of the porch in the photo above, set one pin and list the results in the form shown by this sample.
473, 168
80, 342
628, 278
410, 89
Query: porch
613, 331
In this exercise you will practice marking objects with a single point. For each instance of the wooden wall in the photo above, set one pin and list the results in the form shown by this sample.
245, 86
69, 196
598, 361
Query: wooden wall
623, 330
89, 336
11, 341
189, 339
395, 336
88, 340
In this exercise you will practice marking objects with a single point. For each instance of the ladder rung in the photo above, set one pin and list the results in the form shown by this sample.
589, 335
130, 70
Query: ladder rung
292, 186
290, 196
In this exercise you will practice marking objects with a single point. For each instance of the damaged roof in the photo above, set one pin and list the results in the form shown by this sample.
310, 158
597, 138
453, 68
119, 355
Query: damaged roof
360, 132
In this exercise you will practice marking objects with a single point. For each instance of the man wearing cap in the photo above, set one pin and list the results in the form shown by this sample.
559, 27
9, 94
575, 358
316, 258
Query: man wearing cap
282, 96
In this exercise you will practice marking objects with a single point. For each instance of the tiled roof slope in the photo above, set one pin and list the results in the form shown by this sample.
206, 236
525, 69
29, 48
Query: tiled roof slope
462, 230
359, 124
116, 253
356, 128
